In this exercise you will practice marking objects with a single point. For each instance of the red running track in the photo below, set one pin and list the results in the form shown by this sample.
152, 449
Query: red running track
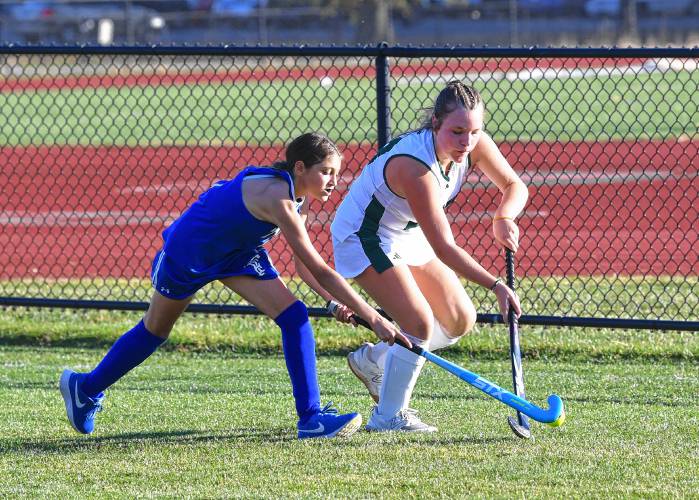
626, 208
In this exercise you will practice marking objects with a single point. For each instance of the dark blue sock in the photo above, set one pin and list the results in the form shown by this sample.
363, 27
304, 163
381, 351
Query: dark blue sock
129, 351
300, 354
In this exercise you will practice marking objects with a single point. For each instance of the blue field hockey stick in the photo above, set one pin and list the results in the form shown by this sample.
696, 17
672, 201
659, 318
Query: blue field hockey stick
554, 416
519, 425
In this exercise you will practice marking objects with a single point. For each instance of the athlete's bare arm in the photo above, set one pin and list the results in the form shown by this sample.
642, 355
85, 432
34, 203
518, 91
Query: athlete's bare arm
277, 208
487, 157
341, 313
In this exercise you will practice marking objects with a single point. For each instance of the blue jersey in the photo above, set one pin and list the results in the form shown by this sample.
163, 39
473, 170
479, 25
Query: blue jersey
213, 233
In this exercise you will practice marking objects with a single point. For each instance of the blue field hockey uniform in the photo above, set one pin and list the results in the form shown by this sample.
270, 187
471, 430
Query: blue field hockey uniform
216, 237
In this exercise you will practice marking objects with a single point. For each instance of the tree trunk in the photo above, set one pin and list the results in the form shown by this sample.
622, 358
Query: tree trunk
629, 19
374, 22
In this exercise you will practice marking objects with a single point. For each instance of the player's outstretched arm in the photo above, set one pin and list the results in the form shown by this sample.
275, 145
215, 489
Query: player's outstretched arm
341, 313
282, 213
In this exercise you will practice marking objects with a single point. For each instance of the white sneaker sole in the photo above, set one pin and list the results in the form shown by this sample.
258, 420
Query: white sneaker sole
343, 432
65, 392
357, 373
349, 428
425, 430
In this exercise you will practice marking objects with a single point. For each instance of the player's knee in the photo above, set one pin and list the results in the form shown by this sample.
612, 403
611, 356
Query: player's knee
419, 325
294, 316
462, 321
158, 328
467, 319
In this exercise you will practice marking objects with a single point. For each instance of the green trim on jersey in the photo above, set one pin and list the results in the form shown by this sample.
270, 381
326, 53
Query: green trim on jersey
445, 176
385, 181
369, 238
387, 147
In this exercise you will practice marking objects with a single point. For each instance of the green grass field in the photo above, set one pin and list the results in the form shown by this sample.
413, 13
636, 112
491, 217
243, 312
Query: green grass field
210, 415
642, 106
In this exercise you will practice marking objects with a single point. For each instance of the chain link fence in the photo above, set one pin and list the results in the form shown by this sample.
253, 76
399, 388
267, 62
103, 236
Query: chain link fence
100, 149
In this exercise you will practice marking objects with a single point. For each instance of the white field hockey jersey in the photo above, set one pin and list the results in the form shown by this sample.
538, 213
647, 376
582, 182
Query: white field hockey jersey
371, 209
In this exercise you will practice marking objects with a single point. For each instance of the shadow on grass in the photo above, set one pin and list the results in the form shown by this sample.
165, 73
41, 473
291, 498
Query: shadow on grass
460, 397
242, 435
265, 348
182, 386
83, 342
90, 443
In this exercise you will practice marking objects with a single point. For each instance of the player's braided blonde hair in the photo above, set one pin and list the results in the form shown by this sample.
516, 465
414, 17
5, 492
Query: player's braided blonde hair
455, 94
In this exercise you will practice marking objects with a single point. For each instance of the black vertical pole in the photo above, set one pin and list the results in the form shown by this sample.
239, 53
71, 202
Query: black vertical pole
383, 97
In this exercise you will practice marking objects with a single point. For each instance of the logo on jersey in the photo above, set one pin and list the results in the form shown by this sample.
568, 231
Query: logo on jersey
256, 266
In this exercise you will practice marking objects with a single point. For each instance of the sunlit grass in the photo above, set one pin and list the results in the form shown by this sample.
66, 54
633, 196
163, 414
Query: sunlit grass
222, 425
600, 108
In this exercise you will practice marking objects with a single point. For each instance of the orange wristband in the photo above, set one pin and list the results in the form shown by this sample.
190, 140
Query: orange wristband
502, 217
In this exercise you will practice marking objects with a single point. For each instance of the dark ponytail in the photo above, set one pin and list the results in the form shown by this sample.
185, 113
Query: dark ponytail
282, 165
310, 148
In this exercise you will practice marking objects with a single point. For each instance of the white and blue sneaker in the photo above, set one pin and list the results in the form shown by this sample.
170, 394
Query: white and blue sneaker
80, 408
406, 420
329, 423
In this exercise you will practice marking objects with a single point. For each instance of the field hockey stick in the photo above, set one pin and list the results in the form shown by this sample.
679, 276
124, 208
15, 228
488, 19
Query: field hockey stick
554, 416
520, 425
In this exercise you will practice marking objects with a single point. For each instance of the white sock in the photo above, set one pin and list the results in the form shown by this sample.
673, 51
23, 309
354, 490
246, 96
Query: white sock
400, 374
440, 339
377, 354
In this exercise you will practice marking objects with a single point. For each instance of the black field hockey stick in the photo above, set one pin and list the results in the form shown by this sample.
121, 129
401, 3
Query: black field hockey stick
554, 416
519, 425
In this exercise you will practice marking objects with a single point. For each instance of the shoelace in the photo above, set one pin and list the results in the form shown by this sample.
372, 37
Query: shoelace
329, 408
97, 408
409, 415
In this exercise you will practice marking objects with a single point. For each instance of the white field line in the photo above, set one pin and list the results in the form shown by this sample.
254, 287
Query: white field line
480, 215
575, 177
592, 177
80, 218
569, 176
650, 66
195, 187
77, 218
106, 218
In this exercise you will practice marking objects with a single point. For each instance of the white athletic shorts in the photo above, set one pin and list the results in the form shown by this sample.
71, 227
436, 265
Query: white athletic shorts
354, 255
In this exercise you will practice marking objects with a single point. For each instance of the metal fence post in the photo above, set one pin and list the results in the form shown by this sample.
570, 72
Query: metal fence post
383, 96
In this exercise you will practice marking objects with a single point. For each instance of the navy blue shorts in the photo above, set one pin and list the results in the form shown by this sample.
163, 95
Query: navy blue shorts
177, 282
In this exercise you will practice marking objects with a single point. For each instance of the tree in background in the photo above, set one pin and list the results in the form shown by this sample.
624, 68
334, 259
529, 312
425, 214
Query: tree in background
373, 18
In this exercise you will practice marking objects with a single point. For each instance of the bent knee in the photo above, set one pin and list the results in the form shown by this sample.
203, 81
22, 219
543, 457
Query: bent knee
419, 325
463, 321
160, 329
